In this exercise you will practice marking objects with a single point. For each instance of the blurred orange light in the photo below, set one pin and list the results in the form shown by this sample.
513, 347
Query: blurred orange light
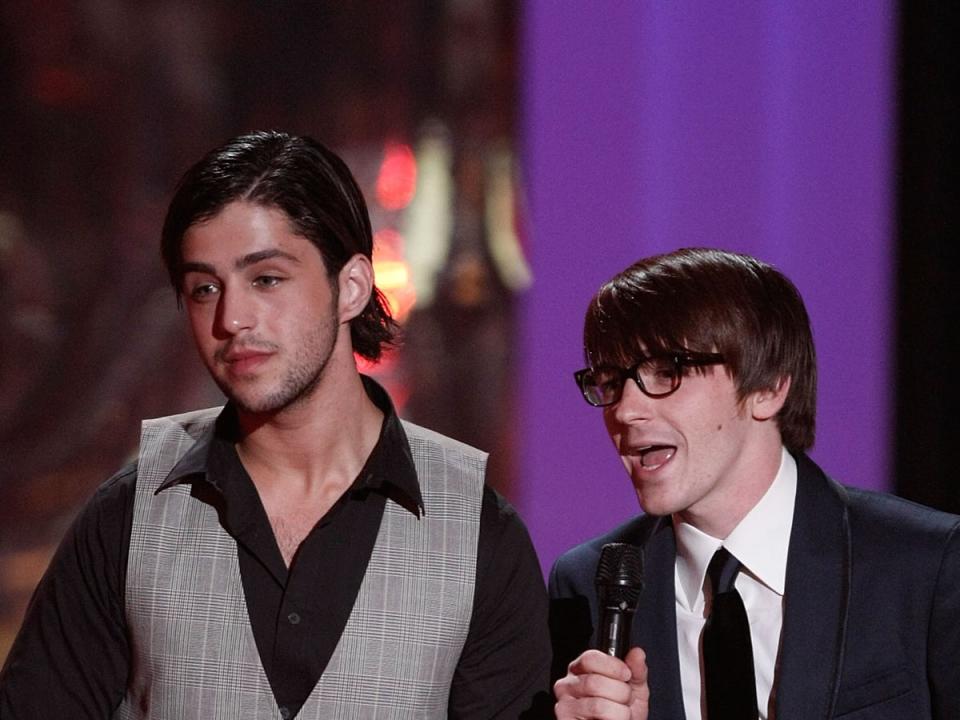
397, 180
392, 272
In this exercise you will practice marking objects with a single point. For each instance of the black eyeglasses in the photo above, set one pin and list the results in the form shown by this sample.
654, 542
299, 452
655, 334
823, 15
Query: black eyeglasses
656, 377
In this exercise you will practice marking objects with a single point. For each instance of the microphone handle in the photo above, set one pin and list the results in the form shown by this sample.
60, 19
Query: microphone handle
614, 636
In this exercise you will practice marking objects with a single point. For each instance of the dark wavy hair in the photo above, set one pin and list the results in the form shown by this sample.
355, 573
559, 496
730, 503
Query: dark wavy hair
708, 300
311, 185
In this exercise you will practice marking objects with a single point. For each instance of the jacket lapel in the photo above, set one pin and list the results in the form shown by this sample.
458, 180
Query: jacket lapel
655, 624
816, 598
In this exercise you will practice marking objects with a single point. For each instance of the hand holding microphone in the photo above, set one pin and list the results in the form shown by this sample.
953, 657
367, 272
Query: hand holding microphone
610, 681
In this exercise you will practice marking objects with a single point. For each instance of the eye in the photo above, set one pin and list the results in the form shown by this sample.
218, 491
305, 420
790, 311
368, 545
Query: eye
660, 369
203, 291
267, 281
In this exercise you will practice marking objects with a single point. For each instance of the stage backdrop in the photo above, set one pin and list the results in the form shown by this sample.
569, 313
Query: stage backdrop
762, 128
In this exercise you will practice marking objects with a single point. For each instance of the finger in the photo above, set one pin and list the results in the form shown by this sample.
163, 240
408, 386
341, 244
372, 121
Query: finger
636, 662
598, 663
593, 686
591, 709
639, 689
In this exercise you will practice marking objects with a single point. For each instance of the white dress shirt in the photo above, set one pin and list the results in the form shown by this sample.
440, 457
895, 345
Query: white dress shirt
760, 542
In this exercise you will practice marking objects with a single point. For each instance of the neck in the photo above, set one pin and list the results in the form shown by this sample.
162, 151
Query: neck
320, 441
749, 482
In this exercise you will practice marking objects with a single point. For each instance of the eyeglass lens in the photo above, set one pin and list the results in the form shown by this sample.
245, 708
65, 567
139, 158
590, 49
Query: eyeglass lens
656, 376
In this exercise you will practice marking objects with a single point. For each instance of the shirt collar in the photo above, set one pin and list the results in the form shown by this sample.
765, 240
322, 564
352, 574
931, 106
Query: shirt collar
389, 468
760, 541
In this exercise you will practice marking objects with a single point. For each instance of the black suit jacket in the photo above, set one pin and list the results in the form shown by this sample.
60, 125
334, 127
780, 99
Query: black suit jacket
871, 624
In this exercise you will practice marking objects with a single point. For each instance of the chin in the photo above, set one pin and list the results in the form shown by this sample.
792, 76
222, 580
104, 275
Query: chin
261, 405
656, 506
248, 402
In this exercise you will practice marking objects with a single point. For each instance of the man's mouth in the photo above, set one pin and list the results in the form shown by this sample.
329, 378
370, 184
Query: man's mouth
231, 353
237, 357
653, 456
241, 361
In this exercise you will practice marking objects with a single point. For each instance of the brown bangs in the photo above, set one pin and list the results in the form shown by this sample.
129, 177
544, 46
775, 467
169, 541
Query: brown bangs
641, 313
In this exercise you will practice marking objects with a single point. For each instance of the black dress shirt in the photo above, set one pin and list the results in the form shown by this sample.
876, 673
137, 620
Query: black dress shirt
72, 657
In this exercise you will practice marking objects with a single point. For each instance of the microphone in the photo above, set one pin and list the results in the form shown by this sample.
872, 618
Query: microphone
619, 583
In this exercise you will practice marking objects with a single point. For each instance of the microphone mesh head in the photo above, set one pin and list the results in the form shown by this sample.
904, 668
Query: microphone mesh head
620, 574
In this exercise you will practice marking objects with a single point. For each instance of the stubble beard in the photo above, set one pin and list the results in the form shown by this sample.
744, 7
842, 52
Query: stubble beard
298, 383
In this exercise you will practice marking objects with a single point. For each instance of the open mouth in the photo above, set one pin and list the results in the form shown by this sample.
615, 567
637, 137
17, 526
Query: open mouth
653, 456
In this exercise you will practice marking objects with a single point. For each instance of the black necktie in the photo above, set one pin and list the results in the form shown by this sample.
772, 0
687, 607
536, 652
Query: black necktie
727, 653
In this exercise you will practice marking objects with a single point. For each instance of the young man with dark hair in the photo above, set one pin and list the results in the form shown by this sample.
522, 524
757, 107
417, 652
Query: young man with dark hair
770, 590
301, 552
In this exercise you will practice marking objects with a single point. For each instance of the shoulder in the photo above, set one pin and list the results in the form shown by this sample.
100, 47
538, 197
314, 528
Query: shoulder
879, 519
501, 527
426, 441
115, 495
877, 513
574, 570
445, 464
881, 525
105, 520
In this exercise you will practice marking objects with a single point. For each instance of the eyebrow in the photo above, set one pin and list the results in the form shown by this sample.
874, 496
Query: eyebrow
241, 263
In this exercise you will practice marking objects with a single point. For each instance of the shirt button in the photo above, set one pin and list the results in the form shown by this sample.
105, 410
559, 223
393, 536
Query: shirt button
293, 618
285, 713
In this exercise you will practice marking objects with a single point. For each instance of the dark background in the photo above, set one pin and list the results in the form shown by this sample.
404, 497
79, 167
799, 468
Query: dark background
928, 398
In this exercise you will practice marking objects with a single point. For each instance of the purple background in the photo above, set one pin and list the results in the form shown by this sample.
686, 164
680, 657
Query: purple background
763, 128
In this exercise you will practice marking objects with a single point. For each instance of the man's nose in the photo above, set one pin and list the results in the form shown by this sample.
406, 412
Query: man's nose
236, 311
633, 405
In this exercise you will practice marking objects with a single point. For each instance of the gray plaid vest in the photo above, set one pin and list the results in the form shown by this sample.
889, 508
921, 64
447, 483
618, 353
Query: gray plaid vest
194, 651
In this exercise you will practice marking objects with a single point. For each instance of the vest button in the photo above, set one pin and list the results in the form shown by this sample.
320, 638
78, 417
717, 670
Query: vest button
285, 713
294, 618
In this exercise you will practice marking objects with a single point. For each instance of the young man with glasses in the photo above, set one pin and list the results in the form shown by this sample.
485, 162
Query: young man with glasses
770, 590
300, 552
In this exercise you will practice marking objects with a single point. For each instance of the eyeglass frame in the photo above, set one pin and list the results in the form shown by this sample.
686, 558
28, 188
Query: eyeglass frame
681, 359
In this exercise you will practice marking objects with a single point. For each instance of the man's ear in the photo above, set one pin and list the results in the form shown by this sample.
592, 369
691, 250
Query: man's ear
355, 281
764, 404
